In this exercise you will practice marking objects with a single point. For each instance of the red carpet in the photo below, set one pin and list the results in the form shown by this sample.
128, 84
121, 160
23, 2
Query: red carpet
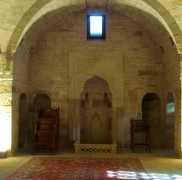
53, 168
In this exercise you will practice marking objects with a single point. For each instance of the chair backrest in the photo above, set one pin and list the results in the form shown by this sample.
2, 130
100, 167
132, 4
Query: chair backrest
139, 125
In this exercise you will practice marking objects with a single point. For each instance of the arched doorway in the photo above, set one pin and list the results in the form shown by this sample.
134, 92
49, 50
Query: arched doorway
170, 115
151, 113
41, 101
96, 112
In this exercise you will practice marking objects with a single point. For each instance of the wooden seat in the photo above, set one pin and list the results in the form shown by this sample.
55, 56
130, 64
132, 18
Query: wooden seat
46, 132
140, 134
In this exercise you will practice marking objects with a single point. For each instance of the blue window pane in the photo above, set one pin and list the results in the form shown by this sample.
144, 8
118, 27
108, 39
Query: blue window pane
96, 25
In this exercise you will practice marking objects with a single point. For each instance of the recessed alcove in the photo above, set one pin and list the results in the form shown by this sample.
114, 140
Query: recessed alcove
64, 63
151, 113
96, 117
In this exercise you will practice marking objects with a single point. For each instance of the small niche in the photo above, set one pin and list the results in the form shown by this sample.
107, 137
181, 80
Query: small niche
162, 49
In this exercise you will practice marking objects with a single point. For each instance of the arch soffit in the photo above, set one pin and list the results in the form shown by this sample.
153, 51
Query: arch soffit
23, 96
35, 93
96, 79
37, 10
151, 95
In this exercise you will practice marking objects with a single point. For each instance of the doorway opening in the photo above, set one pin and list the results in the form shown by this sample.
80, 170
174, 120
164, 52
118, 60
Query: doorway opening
151, 113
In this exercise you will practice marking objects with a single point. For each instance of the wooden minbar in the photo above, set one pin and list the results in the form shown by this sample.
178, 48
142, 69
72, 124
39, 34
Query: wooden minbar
46, 132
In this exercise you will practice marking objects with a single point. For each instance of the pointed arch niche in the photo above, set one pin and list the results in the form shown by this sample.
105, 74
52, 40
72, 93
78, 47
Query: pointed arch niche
96, 103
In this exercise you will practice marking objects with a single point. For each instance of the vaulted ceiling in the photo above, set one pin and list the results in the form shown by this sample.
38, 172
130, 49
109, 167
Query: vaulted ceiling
153, 15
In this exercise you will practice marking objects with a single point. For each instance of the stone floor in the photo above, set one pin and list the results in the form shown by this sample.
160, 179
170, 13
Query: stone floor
158, 162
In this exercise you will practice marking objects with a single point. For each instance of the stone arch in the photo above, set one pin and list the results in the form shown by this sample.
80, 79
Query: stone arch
170, 21
160, 9
15, 37
33, 95
42, 101
98, 82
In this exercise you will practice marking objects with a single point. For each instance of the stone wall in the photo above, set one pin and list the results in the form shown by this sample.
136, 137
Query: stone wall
140, 69
148, 67
172, 76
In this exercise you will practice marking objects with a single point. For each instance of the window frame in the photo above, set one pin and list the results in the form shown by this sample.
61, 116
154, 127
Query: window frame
103, 35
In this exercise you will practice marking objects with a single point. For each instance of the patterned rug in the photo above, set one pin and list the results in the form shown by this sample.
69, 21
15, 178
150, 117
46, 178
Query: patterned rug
53, 168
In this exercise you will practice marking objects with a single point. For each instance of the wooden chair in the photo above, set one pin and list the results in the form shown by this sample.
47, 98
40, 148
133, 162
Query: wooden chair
140, 134
46, 132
